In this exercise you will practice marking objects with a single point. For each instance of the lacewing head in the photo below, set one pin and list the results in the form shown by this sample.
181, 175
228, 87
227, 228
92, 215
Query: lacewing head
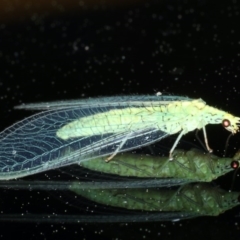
231, 123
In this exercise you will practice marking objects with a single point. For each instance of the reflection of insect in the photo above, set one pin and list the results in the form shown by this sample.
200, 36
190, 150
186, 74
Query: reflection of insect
192, 165
198, 199
100, 127
187, 201
161, 204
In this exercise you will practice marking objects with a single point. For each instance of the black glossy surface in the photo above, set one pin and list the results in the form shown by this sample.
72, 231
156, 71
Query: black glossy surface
188, 48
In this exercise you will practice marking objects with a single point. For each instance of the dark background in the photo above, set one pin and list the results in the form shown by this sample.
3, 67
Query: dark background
61, 51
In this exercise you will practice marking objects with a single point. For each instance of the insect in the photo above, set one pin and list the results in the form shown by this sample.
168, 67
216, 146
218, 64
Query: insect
100, 127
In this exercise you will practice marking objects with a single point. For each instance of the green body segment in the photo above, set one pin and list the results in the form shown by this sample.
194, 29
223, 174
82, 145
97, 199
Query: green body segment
193, 165
169, 117
200, 198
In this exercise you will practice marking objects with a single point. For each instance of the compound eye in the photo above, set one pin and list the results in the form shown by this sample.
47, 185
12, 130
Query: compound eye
234, 164
226, 123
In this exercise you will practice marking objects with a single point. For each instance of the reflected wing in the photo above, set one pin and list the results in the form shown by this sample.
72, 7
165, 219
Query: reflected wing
92, 184
119, 101
114, 218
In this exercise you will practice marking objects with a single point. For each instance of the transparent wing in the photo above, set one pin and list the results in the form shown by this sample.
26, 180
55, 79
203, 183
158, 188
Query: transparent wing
123, 101
31, 146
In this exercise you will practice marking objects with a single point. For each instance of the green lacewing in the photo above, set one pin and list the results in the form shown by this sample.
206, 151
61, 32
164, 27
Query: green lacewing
98, 127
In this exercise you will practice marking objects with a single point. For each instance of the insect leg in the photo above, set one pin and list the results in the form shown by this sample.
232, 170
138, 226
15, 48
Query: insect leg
175, 144
199, 140
206, 140
227, 143
118, 148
